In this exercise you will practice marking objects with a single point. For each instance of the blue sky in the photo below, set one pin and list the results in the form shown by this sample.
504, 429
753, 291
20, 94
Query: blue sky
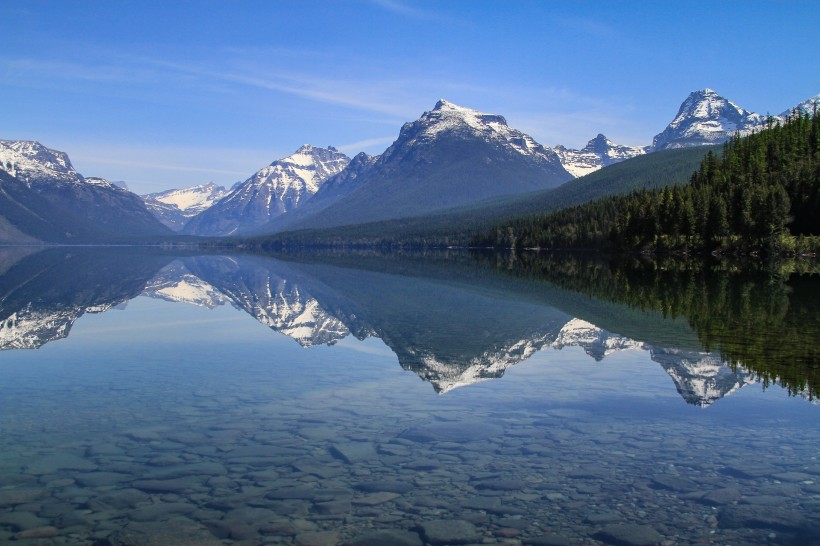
171, 94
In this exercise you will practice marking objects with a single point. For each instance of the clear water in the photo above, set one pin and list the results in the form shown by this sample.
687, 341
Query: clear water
316, 403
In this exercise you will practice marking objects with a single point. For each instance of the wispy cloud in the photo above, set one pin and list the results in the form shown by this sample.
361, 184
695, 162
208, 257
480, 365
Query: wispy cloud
367, 144
66, 70
365, 95
151, 165
404, 9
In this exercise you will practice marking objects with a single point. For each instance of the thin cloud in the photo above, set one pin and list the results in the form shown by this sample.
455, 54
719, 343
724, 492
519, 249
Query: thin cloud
355, 147
49, 70
361, 95
404, 9
151, 165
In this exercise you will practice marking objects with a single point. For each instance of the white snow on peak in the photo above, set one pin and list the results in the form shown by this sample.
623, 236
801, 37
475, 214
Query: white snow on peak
31, 328
700, 378
449, 118
190, 200
287, 182
31, 162
598, 153
595, 342
705, 117
192, 290
286, 308
805, 107
96, 181
175, 283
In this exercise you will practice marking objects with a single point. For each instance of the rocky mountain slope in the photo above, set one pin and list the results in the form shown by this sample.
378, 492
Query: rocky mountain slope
43, 197
706, 118
450, 156
282, 186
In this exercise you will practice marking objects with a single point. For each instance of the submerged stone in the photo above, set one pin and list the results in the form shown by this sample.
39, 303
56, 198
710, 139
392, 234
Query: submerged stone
38, 532
52, 464
443, 531
353, 452
376, 498
384, 538
317, 538
549, 539
21, 521
12, 497
629, 535
178, 531
453, 432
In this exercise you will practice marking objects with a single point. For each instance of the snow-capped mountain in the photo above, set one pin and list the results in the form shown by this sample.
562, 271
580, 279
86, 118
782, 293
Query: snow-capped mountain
706, 118
333, 189
32, 163
282, 186
49, 290
176, 284
269, 297
700, 378
451, 156
446, 375
598, 153
45, 198
805, 107
175, 207
31, 328
595, 342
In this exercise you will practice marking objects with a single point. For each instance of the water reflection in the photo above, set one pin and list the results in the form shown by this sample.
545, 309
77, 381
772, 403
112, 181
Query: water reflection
216, 434
452, 322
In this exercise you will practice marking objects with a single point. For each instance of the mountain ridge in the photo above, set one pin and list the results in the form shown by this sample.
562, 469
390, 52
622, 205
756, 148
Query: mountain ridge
272, 191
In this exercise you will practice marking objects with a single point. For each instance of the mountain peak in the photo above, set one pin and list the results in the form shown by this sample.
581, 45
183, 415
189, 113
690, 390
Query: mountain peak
274, 190
444, 104
30, 161
599, 144
599, 152
706, 118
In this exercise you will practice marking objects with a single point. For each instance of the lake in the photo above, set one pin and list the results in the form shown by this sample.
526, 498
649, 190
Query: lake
158, 398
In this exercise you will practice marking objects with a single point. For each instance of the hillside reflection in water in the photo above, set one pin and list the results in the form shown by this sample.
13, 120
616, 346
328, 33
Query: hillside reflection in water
156, 421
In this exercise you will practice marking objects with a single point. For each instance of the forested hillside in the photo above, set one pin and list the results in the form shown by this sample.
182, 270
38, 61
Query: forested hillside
760, 194
456, 227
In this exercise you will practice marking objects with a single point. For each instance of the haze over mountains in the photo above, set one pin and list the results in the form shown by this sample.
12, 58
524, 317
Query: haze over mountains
451, 157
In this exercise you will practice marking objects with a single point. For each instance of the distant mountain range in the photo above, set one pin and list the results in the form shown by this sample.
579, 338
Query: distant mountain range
454, 157
451, 157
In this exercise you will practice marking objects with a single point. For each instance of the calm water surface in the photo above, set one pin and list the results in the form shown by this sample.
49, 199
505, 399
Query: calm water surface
152, 399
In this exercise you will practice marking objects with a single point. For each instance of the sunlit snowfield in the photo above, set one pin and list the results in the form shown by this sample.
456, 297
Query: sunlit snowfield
226, 419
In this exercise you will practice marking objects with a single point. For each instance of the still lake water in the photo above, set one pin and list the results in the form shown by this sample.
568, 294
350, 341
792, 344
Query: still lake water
372, 400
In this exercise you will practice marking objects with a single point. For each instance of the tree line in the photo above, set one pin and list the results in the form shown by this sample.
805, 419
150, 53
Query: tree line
760, 194
760, 316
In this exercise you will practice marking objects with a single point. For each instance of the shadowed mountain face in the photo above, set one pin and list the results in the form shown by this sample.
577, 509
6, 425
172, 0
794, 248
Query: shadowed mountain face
451, 156
453, 322
42, 197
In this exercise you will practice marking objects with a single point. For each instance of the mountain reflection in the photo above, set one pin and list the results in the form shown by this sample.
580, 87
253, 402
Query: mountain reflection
453, 322
43, 293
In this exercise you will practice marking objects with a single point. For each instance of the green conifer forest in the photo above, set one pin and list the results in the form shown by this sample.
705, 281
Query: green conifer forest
761, 194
